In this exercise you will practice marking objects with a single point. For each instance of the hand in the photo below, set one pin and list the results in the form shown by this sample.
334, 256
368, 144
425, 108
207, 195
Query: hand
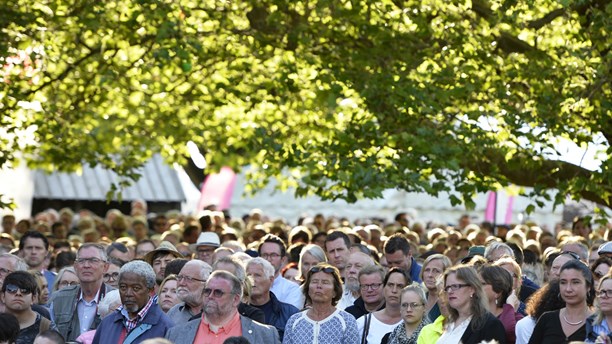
513, 300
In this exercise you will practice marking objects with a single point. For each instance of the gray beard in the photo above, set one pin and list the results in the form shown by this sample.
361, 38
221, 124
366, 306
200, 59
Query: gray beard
352, 286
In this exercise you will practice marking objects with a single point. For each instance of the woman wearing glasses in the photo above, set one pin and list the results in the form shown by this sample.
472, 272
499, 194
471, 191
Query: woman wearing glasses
323, 322
433, 267
413, 314
66, 277
497, 284
374, 326
469, 321
598, 325
568, 324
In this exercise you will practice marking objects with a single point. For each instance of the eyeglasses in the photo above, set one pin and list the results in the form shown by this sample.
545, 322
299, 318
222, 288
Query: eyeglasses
604, 293
327, 270
4, 271
411, 305
454, 287
215, 292
205, 252
270, 256
571, 254
68, 283
13, 289
92, 261
179, 278
373, 286
113, 275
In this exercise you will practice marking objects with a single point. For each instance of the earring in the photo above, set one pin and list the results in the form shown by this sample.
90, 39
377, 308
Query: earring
471, 296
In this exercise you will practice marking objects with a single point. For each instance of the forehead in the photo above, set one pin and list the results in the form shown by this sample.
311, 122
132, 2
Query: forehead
227, 267
322, 276
370, 278
164, 256
7, 262
452, 279
190, 270
335, 244
606, 284
34, 242
270, 247
219, 283
562, 259
359, 258
89, 252
436, 263
255, 268
410, 296
396, 278
132, 278
570, 273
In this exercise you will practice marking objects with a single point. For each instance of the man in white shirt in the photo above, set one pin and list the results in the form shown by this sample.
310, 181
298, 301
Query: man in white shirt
273, 249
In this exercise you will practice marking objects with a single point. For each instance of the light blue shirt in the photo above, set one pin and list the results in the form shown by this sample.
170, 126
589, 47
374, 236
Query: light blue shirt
87, 311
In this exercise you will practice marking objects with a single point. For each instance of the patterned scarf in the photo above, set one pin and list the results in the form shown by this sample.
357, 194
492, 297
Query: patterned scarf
399, 335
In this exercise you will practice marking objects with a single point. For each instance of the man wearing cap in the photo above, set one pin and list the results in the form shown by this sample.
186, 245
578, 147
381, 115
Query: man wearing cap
205, 246
160, 257
605, 249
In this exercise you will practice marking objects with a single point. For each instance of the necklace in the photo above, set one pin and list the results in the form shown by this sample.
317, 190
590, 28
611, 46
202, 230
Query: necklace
572, 323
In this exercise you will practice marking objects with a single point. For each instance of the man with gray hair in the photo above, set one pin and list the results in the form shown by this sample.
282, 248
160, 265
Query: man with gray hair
220, 318
139, 317
495, 250
261, 273
190, 282
74, 308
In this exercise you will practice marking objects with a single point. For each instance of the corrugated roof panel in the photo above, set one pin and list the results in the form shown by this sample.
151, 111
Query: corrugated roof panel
159, 182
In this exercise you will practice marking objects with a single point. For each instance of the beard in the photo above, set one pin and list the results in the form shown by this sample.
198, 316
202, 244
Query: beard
352, 285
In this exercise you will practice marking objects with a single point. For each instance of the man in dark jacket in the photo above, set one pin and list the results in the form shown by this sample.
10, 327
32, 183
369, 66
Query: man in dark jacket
372, 299
139, 318
261, 273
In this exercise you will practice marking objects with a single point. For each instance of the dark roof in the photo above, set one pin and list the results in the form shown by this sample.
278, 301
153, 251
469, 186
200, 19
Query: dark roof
159, 182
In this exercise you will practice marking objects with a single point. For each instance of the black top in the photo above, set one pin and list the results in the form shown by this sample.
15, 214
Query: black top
548, 330
492, 329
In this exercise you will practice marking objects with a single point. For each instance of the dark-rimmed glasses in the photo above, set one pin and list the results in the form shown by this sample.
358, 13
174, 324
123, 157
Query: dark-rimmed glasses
91, 261
373, 286
179, 278
113, 275
604, 293
454, 287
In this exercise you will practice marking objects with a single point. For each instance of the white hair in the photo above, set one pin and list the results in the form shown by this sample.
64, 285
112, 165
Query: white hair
268, 269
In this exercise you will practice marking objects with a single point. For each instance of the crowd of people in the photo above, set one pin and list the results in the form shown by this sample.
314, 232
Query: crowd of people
168, 277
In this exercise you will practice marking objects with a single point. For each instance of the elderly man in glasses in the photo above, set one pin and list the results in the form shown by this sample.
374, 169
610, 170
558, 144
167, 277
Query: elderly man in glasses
220, 318
189, 285
19, 292
74, 309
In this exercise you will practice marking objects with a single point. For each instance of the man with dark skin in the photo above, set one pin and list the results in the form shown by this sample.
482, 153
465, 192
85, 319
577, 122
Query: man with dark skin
139, 318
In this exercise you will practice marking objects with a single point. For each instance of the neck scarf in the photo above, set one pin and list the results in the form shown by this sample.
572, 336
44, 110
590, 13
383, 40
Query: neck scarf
399, 335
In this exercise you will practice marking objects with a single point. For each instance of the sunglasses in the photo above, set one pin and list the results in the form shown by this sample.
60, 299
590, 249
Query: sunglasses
327, 270
215, 292
13, 289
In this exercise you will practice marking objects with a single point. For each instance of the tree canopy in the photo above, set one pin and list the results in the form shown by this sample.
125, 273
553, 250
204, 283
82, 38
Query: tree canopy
341, 98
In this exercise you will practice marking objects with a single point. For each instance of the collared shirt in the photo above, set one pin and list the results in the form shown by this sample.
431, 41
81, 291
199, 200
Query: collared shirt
87, 311
131, 324
347, 300
211, 334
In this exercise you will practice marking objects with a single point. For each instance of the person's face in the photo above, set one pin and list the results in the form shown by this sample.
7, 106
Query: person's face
68, 279
205, 253
431, 272
134, 292
320, 241
393, 288
8, 222
19, 301
159, 225
398, 259
321, 288
593, 257
60, 231
190, 292
292, 275
337, 253
488, 289
516, 279
605, 301
7, 265
143, 249
374, 292
89, 265
219, 305
356, 262
557, 264
34, 252
122, 256
261, 283
167, 296
307, 262
600, 271
412, 308
159, 265
272, 253
111, 276
458, 299
140, 231
43, 298
573, 287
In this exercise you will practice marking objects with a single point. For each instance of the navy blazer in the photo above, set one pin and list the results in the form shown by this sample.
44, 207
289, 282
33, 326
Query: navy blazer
111, 327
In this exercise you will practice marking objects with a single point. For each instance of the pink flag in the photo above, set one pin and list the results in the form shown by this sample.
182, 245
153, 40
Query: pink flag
217, 189
490, 209
509, 209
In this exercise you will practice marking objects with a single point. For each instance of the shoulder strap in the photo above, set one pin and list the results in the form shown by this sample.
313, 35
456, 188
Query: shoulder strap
366, 328
136, 332
44, 324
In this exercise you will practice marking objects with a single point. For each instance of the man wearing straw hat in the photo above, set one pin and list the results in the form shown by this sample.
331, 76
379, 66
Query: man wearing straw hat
160, 257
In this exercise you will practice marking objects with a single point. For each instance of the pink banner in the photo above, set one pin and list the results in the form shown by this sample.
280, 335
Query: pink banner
490, 209
509, 209
218, 189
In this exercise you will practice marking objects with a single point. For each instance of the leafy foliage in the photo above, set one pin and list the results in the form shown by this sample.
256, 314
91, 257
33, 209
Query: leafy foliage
339, 98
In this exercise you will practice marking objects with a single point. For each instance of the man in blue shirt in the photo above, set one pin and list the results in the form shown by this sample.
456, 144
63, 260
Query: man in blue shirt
397, 253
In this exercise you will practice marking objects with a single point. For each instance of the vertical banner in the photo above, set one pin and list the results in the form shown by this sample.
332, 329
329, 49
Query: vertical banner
218, 189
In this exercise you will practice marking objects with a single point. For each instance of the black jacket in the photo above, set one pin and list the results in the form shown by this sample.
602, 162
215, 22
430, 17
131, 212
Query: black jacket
358, 308
491, 329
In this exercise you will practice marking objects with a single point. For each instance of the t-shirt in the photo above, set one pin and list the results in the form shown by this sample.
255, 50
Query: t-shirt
28, 334
378, 329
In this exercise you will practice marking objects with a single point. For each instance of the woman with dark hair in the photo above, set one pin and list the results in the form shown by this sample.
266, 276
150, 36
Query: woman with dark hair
374, 326
323, 322
543, 300
497, 283
568, 323
469, 321
600, 268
